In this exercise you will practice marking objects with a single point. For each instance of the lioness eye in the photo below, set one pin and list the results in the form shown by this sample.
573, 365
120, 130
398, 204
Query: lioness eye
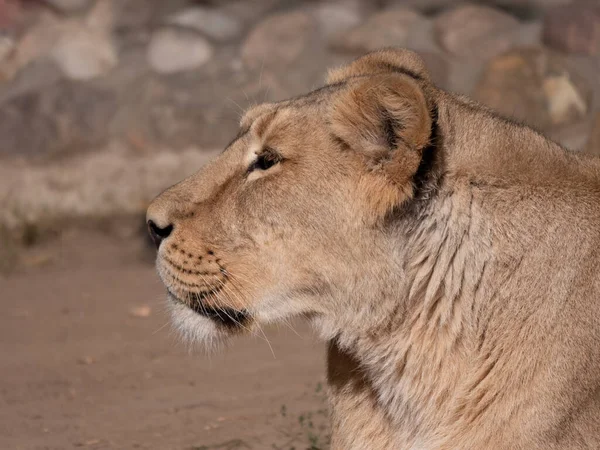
265, 160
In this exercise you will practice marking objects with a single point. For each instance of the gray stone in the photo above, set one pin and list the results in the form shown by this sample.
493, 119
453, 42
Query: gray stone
39, 74
464, 75
197, 107
249, 12
65, 117
363, 8
593, 144
588, 68
535, 86
539, 5
438, 67
424, 6
278, 40
573, 136
84, 54
102, 184
334, 18
422, 38
285, 56
84, 47
34, 43
7, 47
383, 29
527, 34
461, 30
213, 23
574, 28
173, 50
70, 6
432, 6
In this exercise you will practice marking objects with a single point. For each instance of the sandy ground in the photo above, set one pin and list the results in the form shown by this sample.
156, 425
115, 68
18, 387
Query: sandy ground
88, 360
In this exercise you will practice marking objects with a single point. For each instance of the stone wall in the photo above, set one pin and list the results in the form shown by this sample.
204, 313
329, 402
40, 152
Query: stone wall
103, 103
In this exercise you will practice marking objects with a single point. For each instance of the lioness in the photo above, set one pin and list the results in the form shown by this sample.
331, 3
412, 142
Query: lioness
448, 255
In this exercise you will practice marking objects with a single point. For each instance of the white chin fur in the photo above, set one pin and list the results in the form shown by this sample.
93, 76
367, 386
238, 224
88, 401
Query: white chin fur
194, 328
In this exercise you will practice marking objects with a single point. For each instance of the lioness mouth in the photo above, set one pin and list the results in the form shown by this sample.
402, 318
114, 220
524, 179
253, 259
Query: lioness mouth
228, 317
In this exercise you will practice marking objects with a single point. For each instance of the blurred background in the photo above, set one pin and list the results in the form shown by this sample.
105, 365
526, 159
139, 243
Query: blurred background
104, 103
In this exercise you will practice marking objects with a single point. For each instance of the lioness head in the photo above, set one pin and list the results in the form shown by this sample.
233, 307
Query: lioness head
293, 218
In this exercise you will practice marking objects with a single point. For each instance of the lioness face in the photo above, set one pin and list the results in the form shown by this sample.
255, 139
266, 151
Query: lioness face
286, 219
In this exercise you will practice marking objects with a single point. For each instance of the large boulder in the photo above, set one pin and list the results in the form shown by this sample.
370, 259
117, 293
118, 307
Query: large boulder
211, 22
574, 28
383, 29
469, 30
173, 50
535, 86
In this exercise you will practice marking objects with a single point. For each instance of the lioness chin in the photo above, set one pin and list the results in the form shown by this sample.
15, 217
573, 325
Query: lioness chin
448, 255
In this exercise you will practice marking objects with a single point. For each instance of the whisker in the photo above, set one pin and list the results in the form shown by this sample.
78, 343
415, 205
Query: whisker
161, 327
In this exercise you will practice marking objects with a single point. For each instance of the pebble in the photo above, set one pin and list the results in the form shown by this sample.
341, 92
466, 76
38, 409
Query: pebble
171, 51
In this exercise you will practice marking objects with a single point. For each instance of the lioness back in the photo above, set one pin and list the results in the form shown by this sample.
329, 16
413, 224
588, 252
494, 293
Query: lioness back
448, 255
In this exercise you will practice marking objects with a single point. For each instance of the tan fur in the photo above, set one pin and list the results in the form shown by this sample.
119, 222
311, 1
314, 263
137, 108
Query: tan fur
449, 256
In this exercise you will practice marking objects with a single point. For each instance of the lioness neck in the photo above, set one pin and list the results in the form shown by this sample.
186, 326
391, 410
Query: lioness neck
419, 341
452, 345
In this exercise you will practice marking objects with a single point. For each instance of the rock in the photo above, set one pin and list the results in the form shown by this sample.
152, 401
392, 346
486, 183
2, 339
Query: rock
249, 12
63, 117
573, 137
213, 23
422, 37
574, 28
141, 311
593, 144
84, 54
38, 75
101, 184
10, 11
535, 86
86, 360
461, 30
172, 51
540, 4
564, 100
383, 29
465, 71
134, 15
430, 7
438, 68
83, 48
278, 40
334, 18
102, 16
70, 6
7, 47
284, 55
35, 43
423, 6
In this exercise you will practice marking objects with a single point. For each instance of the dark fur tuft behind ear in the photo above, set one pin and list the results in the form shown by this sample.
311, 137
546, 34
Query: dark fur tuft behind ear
383, 61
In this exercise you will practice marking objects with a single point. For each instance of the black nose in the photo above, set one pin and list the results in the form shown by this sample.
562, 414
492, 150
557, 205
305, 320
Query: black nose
158, 234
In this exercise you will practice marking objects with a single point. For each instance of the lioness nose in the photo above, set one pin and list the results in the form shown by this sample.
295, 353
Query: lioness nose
161, 216
157, 233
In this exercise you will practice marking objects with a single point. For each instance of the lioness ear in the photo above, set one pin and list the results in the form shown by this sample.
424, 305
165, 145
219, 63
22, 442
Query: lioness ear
391, 60
387, 119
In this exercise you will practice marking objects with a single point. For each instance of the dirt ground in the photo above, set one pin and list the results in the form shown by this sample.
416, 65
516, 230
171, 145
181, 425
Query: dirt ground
88, 360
